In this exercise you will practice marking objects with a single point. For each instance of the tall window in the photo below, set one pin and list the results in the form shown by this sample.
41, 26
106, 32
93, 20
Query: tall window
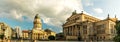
90, 30
112, 30
85, 29
111, 25
101, 29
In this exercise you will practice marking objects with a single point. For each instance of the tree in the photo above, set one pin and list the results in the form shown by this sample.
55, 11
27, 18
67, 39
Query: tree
48, 30
79, 38
117, 38
2, 36
51, 37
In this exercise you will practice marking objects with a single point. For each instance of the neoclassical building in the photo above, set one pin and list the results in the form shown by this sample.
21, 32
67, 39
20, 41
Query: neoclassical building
37, 32
89, 28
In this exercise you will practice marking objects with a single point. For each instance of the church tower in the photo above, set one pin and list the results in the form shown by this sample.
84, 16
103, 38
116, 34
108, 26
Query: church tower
37, 22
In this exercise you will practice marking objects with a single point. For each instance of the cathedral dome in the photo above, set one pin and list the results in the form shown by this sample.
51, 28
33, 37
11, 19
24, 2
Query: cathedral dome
37, 22
37, 16
37, 19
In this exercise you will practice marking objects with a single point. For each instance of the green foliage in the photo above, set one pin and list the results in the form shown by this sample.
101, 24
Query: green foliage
2, 36
79, 38
117, 38
51, 37
118, 27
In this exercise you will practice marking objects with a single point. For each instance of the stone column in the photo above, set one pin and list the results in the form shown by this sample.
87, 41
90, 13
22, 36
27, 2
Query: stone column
72, 30
64, 30
68, 30
76, 30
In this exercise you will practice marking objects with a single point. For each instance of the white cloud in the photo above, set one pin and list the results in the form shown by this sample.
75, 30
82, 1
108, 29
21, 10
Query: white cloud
16, 15
98, 10
89, 4
61, 30
53, 12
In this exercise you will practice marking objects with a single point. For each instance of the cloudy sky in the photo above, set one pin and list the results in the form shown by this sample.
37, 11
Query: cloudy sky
53, 13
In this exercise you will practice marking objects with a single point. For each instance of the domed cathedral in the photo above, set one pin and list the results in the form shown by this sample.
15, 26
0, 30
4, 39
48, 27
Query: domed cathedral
37, 22
37, 32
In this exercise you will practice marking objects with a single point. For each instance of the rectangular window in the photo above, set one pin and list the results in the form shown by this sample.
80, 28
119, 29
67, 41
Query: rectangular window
112, 30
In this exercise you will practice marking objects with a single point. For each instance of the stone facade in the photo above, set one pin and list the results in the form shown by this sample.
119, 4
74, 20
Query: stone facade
89, 28
5, 30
